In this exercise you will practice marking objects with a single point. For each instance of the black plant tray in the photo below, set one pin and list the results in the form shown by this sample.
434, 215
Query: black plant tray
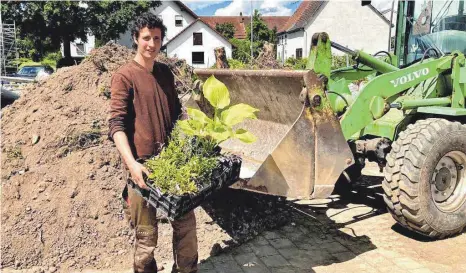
175, 206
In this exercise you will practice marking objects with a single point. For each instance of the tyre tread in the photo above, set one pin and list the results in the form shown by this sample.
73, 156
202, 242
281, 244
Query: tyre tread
402, 174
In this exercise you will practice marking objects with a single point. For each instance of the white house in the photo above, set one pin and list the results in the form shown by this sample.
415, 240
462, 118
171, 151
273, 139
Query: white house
196, 44
347, 22
80, 49
188, 37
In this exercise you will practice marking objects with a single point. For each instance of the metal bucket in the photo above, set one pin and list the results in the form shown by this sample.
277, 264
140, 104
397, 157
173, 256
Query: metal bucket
300, 151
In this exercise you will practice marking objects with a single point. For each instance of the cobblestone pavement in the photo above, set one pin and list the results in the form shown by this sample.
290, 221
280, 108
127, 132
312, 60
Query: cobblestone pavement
350, 234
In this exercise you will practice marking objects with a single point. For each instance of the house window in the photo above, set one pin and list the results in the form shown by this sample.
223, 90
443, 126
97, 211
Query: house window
198, 58
197, 38
299, 53
178, 21
80, 50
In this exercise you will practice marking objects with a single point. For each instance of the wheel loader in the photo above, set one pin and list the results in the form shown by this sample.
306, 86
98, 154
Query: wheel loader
404, 110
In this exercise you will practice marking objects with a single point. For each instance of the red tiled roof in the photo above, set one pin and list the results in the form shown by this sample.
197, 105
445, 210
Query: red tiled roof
272, 21
241, 22
240, 29
306, 11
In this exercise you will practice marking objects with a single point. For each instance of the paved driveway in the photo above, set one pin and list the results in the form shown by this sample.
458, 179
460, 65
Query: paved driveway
343, 234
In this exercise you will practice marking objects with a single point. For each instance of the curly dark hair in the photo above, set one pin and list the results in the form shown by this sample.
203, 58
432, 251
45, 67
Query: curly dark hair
149, 20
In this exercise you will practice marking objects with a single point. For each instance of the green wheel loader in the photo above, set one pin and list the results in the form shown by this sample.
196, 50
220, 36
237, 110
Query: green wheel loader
403, 110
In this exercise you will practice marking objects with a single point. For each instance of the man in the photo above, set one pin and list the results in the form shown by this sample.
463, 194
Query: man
144, 107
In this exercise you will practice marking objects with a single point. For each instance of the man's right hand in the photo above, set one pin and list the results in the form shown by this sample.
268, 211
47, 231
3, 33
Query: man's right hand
136, 169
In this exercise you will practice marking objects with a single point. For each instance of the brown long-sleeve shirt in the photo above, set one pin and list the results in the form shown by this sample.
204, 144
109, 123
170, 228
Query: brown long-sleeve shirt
144, 105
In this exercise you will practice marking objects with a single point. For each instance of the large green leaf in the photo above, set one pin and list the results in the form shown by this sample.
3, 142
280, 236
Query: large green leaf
216, 93
198, 115
186, 127
196, 125
245, 136
220, 133
237, 113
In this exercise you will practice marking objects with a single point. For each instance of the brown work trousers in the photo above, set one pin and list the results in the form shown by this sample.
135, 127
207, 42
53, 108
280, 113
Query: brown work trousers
143, 218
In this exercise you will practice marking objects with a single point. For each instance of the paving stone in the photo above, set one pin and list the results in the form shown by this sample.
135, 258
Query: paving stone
324, 269
423, 270
389, 269
262, 251
275, 261
250, 263
223, 258
296, 237
335, 247
388, 253
260, 241
206, 265
290, 252
255, 267
407, 263
271, 235
344, 256
226, 266
301, 262
210, 271
321, 257
307, 246
245, 248
242, 259
376, 259
289, 269
281, 243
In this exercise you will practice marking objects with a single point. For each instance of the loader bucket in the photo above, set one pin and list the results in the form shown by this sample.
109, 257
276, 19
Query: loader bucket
300, 151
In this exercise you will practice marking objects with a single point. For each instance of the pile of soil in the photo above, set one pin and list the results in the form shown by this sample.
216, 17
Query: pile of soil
62, 181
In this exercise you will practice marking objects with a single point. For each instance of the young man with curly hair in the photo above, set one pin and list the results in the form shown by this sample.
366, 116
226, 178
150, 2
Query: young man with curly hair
143, 110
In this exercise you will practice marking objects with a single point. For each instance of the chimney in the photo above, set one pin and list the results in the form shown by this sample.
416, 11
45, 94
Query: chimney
241, 15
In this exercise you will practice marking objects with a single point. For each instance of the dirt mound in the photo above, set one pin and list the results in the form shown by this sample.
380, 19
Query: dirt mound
61, 179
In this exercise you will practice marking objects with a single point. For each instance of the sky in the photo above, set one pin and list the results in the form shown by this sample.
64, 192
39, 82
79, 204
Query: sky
266, 8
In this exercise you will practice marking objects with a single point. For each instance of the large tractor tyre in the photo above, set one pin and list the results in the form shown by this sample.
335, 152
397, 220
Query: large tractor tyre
425, 178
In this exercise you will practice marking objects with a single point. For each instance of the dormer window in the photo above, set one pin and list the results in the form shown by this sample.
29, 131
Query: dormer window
178, 20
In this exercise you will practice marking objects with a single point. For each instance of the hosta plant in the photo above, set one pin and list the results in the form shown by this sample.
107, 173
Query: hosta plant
220, 127
185, 165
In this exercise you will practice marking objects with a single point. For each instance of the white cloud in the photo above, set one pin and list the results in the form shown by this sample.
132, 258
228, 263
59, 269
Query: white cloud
266, 8
234, 8
275, 8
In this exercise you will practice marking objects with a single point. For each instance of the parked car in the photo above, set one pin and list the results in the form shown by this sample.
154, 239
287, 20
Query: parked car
31, 71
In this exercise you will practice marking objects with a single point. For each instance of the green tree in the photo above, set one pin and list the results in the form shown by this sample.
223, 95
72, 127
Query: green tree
242, 49
273, 35
47, 24
44, 25
108, 19
261, 31
226, 29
